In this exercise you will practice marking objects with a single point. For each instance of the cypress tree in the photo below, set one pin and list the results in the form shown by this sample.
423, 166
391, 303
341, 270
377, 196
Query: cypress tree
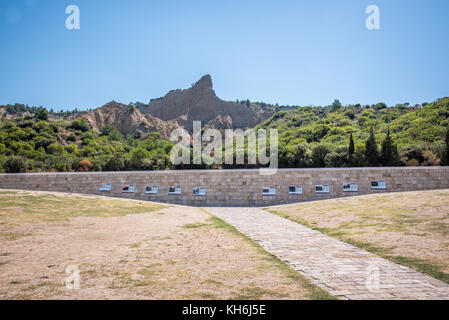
396, 159
371, 151
351, 145
446, 155
387, 151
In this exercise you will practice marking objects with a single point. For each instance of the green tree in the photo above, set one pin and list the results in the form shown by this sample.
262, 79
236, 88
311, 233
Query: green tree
106, 129
302, 157
380, 105
388, 152
351, 148
71, 149
115, 135
63, 164
371, 151
337, 158
79, 125
71, 137
350, 114
112, 132
137, 157
446, 153
336, 105
15, 164
319, 153
41, 114
116, 163
55, 149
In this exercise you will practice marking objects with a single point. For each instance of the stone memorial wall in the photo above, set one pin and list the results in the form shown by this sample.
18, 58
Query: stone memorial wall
245, 187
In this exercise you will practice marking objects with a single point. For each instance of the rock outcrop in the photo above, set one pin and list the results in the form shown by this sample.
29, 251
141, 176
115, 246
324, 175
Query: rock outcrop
199, 103
179, 108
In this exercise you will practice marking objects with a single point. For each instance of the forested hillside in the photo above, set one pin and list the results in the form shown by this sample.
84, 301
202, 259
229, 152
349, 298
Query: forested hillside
34, 139
320, 136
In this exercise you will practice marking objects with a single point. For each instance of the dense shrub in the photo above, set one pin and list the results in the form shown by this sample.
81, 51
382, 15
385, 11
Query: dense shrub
80, 125
41, 114
115, 163
15, 164
319, 154
71, 137
138, 156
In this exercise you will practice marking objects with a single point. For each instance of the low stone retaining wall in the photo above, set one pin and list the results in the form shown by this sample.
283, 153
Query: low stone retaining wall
234, 187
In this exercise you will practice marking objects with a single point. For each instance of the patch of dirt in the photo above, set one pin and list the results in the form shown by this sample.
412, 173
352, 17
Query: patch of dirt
172, 253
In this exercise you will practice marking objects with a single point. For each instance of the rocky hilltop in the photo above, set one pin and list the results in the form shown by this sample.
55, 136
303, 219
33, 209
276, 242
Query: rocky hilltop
179, 108
200, 103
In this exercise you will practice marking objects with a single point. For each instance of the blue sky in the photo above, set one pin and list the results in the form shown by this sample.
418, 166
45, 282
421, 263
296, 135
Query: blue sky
299, 52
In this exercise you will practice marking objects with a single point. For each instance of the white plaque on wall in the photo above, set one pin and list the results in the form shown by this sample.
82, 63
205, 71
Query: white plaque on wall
128, 189
295, 190
151, 190
105, 187
199, 192
268, 191
350, 187
174, 190
322, 188
378, 185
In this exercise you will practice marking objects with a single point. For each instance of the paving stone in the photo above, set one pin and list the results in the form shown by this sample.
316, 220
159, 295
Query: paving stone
323, 259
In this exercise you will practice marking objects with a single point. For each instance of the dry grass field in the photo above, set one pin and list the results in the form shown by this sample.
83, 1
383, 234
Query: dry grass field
410, 228
127, 249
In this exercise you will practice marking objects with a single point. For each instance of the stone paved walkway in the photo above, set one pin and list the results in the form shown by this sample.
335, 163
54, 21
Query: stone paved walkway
341, 269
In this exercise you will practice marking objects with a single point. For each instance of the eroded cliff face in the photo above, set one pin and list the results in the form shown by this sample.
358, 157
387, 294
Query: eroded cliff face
178, 109
129, 121
199, 103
